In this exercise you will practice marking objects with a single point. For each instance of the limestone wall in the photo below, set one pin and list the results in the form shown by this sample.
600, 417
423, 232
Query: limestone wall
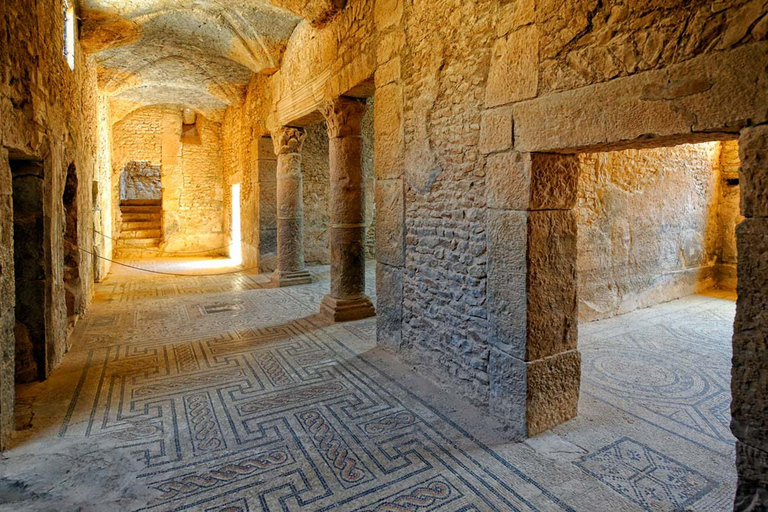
728, 214
315, 167
192, 176
316, 173
460, 88
648, 227
49, 112
475, 104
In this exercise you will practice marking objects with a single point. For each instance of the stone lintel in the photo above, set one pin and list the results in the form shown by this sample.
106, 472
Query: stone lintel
706, 98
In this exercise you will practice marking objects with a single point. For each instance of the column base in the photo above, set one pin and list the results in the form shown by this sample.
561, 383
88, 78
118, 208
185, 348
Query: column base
282, 278
341, 310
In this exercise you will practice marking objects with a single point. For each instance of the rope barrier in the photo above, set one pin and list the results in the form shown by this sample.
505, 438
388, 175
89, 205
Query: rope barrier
160, 271
152, 249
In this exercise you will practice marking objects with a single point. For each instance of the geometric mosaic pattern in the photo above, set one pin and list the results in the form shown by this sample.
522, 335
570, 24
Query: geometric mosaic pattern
278, 417
673, 375
223, 394
645, 476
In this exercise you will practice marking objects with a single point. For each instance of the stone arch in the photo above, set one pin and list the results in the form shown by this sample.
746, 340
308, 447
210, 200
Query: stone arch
72, 284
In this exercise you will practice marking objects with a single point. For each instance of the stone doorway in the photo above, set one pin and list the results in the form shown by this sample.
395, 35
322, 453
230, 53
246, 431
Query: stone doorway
72, 285
141, 210
31, 269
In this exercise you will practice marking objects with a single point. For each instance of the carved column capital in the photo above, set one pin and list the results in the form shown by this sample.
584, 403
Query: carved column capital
288, 139
343, 116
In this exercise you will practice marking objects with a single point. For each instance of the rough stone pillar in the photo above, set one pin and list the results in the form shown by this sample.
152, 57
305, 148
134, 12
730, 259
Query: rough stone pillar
347, 300
7, 304
534, 366
258, 206
749, 375
290, 208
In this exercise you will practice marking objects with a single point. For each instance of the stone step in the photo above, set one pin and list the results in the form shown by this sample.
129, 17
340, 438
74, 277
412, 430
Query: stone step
134, 253
141, 233
141, 209
138, 242
141, 217
139, 224
141, 202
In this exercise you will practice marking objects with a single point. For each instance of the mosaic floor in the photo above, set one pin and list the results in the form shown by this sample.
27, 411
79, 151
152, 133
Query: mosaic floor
219, 393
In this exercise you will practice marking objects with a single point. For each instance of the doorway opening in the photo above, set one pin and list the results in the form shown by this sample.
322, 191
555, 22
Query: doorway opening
31, 270
656, 267
72, 288
235, 247
141, 208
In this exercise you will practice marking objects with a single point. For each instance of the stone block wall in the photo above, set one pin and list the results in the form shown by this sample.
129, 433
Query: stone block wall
50, 115
478, 106
192, 176
316, 173
729, 215
749, 375
649, 229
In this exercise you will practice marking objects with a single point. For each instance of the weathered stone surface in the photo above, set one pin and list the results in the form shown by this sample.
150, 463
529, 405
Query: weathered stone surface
347, 299
509, 391
389, 305
390, 237
388, 132
551, 283
619, 114
636, 247
532, 283
387, 13
101, 30
532, 397
496, 131
290, 269
513, 15
752, 490
514, 67
753, 152
587, 42
552, 391
532, 181
507, 281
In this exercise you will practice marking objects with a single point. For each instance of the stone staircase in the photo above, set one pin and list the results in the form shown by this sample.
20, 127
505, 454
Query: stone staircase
141, 226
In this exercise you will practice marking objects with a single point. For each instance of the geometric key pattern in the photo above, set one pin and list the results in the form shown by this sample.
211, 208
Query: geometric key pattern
645, 476
222, 393
225, 410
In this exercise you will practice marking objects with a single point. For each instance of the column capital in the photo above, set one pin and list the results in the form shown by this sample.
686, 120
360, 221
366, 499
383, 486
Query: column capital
343, 116
288, 139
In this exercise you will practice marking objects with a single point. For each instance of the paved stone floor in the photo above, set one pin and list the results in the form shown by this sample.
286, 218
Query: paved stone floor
219, 393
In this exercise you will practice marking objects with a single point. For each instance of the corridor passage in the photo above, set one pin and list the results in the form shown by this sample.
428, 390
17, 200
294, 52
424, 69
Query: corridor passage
223, 393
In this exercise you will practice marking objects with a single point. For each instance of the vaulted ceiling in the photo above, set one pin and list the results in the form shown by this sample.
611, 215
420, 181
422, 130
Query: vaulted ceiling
195, 53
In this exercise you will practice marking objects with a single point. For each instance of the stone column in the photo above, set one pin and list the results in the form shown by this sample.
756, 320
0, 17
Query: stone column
749, 376
347, 300
534, 367
290, 208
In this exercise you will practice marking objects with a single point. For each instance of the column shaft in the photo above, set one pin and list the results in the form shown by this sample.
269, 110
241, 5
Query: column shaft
290, 209
347, 299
